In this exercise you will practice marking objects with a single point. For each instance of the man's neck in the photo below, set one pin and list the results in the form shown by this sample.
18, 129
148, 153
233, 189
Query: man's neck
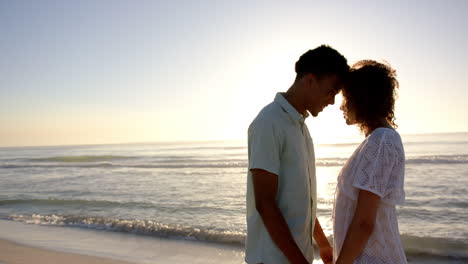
295, 101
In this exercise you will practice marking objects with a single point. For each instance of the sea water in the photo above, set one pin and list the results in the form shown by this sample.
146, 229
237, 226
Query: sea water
196, 190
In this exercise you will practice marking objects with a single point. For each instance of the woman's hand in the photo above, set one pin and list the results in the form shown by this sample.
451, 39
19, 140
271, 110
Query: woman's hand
326, 254
361, 227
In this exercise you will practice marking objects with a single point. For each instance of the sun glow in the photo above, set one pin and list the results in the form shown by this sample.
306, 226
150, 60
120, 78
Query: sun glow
330, 126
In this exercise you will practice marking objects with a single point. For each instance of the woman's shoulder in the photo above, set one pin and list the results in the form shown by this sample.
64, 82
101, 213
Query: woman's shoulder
385, 135
383, 141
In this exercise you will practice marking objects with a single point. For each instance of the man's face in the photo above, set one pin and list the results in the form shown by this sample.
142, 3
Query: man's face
321, 93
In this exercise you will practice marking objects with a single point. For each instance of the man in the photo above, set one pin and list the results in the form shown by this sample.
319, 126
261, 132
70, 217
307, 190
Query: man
281, 184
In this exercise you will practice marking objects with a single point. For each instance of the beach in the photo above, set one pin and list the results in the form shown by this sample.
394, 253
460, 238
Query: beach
14, 253
31, 244
23, 243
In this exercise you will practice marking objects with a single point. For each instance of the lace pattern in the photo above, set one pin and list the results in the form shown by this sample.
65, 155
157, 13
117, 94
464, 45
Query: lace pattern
377, 166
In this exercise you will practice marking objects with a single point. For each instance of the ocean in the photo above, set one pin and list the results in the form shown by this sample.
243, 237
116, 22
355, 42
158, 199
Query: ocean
195, 191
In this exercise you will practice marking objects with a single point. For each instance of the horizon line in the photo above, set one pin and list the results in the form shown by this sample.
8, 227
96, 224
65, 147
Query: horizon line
188, 141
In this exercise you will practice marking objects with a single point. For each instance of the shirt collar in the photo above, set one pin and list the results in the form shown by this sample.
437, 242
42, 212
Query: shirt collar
288, 108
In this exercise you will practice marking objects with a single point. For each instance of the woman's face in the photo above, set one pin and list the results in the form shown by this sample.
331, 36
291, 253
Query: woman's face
348, 114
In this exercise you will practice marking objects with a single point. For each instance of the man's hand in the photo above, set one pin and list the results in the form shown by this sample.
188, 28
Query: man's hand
326, 254
265, 186
325, 250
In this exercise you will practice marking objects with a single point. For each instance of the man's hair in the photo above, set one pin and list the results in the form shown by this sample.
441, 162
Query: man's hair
370, 93
322, 61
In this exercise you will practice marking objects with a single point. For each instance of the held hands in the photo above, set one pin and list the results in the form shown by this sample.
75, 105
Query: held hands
341, 260
326, 254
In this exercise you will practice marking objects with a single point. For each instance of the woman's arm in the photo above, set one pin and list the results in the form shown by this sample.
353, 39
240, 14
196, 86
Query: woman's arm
360, 228
325, 250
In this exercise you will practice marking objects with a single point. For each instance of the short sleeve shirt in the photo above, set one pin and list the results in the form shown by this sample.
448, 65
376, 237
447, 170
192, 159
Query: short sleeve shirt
376, 166
279, 142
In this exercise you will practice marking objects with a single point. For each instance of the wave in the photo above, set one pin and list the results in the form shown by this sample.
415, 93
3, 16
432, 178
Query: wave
174, 162
140, 166
209, 148
83, 203
425, 143
81, 158
139, 227
438, 159
435, 246
415, 160
66, 202
406, 143
431, 246
106, 205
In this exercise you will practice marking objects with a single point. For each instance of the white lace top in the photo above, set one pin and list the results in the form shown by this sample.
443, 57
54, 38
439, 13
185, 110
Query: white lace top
376, 166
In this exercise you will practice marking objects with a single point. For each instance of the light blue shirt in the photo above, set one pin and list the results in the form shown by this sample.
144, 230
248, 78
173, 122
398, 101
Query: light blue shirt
279, 142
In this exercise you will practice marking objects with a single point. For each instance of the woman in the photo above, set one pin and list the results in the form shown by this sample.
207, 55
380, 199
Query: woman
371, 182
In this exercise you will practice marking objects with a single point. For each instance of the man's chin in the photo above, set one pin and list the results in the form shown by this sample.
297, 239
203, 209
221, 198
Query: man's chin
316, 113
313, 112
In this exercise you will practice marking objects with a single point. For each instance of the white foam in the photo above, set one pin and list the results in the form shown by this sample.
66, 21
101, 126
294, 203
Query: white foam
128, 247
141, 227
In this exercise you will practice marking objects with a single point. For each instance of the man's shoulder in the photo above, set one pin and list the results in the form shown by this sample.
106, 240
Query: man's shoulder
270, 114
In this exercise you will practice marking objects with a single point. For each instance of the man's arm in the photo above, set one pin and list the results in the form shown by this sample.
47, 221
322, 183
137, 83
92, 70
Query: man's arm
326, 251
361, 227
265, 186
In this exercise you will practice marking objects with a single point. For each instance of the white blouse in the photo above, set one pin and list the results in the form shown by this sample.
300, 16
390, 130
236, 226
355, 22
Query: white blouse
377, 166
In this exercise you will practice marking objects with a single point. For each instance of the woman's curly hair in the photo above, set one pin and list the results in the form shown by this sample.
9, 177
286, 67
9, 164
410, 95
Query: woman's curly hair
370, 94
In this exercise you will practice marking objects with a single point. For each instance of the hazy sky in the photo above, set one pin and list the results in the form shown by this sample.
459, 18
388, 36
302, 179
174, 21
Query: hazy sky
77, 72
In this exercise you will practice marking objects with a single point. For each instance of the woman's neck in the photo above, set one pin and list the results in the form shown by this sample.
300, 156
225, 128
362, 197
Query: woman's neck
381, 123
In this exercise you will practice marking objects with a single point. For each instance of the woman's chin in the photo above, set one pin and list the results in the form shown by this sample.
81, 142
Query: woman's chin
349, 122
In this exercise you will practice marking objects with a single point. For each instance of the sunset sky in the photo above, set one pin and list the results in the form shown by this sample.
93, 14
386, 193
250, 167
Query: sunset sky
92, 72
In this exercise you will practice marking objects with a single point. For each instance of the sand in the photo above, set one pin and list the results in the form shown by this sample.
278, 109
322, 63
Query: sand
26, 243
32, 244
13, 253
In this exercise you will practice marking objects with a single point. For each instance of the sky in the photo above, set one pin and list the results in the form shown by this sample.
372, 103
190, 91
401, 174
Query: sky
96, 72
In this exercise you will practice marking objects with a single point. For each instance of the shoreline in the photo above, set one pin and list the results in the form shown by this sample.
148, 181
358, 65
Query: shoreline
22, 243
15, 253
26, 243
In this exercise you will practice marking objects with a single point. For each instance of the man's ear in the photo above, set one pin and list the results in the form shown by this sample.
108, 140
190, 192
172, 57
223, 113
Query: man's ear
312, 79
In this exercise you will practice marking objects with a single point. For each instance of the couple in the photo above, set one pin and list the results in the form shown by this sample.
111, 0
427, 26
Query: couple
281, 184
